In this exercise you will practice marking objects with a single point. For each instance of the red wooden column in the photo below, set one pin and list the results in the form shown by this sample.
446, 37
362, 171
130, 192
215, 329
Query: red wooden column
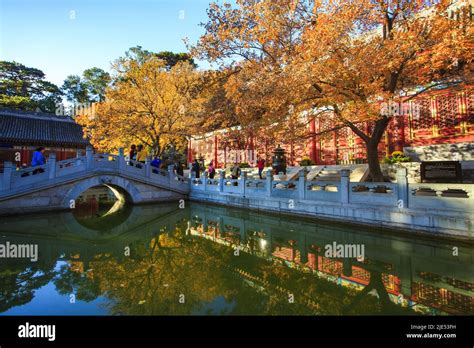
266, 152
390, 136
312, 129
317, 141
401, 130
398, 135
25, 155
434, 114
190, 151
252, 149
225, 156
291, 153
215, 151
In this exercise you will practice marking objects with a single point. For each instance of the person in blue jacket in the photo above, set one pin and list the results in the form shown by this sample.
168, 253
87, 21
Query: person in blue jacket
156, 163
38, 159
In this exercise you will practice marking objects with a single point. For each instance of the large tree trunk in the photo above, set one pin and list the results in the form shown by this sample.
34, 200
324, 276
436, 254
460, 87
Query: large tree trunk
373, 161
372, 143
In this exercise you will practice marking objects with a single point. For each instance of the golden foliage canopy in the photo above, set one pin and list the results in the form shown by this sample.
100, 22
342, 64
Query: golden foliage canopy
148, 104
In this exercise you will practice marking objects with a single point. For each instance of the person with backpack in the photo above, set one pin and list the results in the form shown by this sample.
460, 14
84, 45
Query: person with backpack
235, 173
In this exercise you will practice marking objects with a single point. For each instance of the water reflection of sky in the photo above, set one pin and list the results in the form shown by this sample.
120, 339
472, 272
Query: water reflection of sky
47, 301
218, 306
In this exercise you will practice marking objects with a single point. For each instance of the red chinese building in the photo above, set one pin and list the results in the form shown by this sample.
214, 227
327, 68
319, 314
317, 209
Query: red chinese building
22, 132
442, 120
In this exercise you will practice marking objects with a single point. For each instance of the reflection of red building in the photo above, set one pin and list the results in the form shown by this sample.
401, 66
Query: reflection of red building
444, 293
438, 118
432, 295
22, 132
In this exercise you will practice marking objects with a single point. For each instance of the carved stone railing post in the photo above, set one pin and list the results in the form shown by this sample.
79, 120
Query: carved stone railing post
52, 165
221, 180
268, 184
89, 157
147, 166
345, 173
301, 184
402, 188
7, 175
204, 180
171, 173
78, 158
121, 158
243, 182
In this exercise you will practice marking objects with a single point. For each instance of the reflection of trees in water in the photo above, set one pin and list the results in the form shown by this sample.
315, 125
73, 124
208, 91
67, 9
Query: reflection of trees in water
70, 280
153, 278
172, 264
18, 283
201, 265
384, 304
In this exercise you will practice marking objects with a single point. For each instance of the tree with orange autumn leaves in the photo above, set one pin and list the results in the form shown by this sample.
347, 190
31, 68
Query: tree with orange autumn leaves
345, 57
149, 103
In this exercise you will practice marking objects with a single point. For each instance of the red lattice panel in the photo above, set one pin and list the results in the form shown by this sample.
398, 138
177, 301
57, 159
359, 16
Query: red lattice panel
470, 109
330, 266
448, 114
360, 274
423, 119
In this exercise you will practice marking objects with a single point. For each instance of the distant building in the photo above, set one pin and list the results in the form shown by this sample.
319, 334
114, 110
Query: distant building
435, 126
21, 132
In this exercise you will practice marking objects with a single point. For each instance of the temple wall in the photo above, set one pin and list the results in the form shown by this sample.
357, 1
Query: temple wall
439, 125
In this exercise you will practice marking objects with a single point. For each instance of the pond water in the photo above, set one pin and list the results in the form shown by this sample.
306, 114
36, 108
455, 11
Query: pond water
209, 260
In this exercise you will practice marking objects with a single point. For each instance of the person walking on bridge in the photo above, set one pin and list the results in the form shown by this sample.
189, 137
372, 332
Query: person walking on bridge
235, 173
156, 162
211, 170
178, 169
141, 154
260, 166
196, 168
38, 160
132, 154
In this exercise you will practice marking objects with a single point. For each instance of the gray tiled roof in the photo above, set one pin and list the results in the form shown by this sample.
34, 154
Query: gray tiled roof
22, 127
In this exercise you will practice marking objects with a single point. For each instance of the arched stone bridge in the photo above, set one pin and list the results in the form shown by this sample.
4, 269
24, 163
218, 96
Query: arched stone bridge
57, 184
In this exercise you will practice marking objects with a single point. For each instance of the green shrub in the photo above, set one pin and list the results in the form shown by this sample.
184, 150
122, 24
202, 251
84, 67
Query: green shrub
306, 162
397, 157
244, 165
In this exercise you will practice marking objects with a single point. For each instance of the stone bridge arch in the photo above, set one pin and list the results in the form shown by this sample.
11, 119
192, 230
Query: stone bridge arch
126, 187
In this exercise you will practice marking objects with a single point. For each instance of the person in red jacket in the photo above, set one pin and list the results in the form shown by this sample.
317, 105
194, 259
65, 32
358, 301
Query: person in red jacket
260, 166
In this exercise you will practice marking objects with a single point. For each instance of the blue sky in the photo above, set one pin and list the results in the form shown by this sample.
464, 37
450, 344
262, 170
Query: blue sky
64, 37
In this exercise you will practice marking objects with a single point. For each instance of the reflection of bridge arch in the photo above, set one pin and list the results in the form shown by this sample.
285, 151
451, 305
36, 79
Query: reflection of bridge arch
144, 221
119, 185
140, 219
